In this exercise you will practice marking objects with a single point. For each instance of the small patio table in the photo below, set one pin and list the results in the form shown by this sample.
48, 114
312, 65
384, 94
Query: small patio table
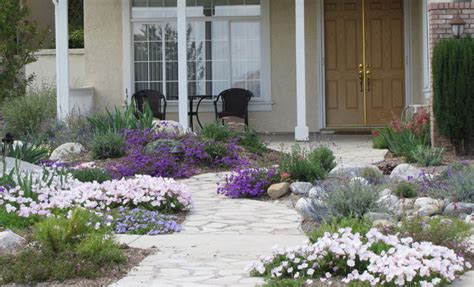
195, 113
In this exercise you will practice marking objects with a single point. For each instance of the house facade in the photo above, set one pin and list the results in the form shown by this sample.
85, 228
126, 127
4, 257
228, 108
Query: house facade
312, 64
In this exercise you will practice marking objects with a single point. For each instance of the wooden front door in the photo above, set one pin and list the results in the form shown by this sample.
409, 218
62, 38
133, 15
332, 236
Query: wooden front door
364, 52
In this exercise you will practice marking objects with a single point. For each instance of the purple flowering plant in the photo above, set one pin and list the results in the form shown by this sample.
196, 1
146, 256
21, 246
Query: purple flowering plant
248, 183
144, 222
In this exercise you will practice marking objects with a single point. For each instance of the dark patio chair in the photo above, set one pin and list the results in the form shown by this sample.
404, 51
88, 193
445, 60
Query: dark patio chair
156, 100
235, 103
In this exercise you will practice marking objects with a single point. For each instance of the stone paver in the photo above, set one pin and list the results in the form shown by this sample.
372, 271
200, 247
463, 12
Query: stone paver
220, 237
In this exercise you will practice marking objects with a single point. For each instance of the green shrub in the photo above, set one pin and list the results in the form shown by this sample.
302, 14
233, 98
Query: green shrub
109, 145
405, 190
372, 176
252, 143
24, 116
300, 167
453, 83
449, 232
216, 150
76, 39
218, 132
91, 174
14, 222
458, 185
428, 156
119, 120
353, 199
324, 156
378, 142
358, 225
404, 142
27, 152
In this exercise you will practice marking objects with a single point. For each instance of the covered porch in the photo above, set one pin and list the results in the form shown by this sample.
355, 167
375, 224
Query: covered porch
293, 60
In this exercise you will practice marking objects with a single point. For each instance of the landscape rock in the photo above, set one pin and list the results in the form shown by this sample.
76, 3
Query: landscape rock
278, 190
170, 127
10, 243
317, 192
352, 170
389, 203
470, 219
428, 206
64, 151
374, 216
383, 224
404, 172
457, 208
309, 208
23, 166
301, 188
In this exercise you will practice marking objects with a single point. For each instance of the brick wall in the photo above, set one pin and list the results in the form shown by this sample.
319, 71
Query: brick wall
440, 14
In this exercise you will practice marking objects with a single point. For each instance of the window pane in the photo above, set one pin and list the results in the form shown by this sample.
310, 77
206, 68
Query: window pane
154, 8
199, 8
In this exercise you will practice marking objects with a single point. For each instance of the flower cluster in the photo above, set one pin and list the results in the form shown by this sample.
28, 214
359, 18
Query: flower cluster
248, 182
165, 195
144, 222
417, 125
374, 258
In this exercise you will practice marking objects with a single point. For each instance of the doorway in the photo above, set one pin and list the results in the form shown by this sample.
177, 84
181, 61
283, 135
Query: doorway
364, 62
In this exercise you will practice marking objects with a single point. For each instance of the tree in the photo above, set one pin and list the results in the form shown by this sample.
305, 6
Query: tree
453, 88
19, 39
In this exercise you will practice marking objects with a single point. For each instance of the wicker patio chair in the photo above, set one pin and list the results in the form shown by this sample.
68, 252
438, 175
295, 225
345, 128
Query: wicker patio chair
156, 100
235, 103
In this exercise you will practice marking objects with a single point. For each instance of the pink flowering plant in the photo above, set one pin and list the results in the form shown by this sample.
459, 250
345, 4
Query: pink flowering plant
373, 259
63, 192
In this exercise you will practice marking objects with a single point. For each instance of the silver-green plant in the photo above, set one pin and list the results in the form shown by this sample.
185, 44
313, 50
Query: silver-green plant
428, 156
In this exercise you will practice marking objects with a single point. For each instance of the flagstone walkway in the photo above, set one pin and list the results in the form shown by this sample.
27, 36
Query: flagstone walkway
220, 237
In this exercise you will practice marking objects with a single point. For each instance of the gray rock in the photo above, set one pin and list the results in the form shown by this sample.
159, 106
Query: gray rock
353, 170
405, 172
457, 208
374, 216
23, 166
301, 188
317, 192
10, 243
278, 190
65, 151
470, 219
385, 192
383, 224
309, 208
428, 206
389, 203
170, 127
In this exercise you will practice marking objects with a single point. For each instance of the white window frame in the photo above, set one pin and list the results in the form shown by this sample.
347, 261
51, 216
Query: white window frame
263, 103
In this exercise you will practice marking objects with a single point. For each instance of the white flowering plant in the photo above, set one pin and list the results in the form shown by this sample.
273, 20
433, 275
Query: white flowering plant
373, 259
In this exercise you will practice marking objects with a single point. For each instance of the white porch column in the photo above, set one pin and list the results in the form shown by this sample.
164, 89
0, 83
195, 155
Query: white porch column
62, 58
182, 65
426, 52
301, 130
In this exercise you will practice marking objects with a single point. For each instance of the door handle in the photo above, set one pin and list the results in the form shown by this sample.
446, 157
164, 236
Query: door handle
361, 77
368, 76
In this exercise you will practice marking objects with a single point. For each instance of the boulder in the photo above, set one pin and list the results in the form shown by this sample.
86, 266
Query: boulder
353, 170
389, 203
10, 243
428, 206
301, 188
23, 166
374, 216
383, 224
470, 219
406, 172
169, 127
457, 208
317, 192
278, 190
64, 151
309, 208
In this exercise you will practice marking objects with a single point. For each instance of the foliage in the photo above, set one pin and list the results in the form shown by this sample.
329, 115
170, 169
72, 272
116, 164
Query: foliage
218, 132
307, 166
450, 232
26, 152
252, 143
353, 199
91, 174
378, 141
372, 176
108, 145
144, 222
357, 225
76, 39
24, 116
248, 183
15, 222
453, 83
76, 246
119, 120
19, 39
457, 185
406, 190
403, 137
428, 156
371, 258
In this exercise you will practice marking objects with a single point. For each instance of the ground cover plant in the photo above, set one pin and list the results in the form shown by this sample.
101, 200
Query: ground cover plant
64, 247
144, 222
248, 183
